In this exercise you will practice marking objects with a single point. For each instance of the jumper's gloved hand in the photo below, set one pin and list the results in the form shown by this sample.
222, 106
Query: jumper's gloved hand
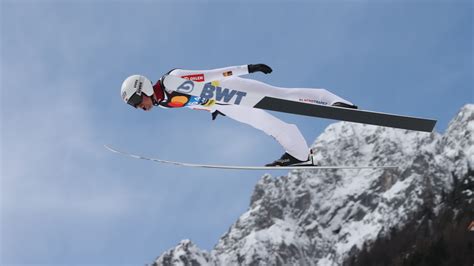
215, 114
259, 67
209, 102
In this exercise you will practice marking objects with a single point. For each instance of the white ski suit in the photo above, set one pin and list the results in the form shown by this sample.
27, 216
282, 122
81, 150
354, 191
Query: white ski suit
288, 135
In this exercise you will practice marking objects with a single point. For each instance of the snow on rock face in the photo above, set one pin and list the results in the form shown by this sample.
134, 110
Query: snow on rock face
185, 253
319, 217
457, 143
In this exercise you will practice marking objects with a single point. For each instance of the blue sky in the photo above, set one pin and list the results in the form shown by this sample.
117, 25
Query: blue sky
66, 200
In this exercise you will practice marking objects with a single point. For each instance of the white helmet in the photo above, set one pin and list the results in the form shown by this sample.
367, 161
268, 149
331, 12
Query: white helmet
133, 87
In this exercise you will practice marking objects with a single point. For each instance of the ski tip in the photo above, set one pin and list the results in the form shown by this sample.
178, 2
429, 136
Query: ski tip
108, 147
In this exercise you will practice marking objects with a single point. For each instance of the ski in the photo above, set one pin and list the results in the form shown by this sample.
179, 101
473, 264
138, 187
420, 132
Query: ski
237, 167
239, 96
346, 114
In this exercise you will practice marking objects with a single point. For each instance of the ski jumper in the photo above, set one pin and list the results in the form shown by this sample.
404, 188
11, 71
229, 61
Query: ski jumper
288, 135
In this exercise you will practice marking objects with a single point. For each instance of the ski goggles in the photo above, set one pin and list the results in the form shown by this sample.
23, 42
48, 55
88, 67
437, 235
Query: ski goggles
135, 100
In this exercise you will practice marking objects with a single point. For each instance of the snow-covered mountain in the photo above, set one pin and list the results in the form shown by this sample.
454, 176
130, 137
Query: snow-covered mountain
321, 217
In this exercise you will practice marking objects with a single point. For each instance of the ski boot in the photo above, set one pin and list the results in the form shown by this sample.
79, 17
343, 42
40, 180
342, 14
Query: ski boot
288, 160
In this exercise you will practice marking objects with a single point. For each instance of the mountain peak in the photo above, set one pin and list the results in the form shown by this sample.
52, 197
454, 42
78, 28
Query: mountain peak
457, 143
185, 253
464, 119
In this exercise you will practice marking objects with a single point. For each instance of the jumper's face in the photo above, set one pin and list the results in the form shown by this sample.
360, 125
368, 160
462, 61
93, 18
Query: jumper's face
146, 103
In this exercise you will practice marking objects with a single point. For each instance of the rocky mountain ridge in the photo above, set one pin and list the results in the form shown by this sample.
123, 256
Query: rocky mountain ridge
312, 217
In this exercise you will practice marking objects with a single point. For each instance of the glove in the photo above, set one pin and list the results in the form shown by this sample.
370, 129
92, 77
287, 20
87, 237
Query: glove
259, 67
209, 102
215, 114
